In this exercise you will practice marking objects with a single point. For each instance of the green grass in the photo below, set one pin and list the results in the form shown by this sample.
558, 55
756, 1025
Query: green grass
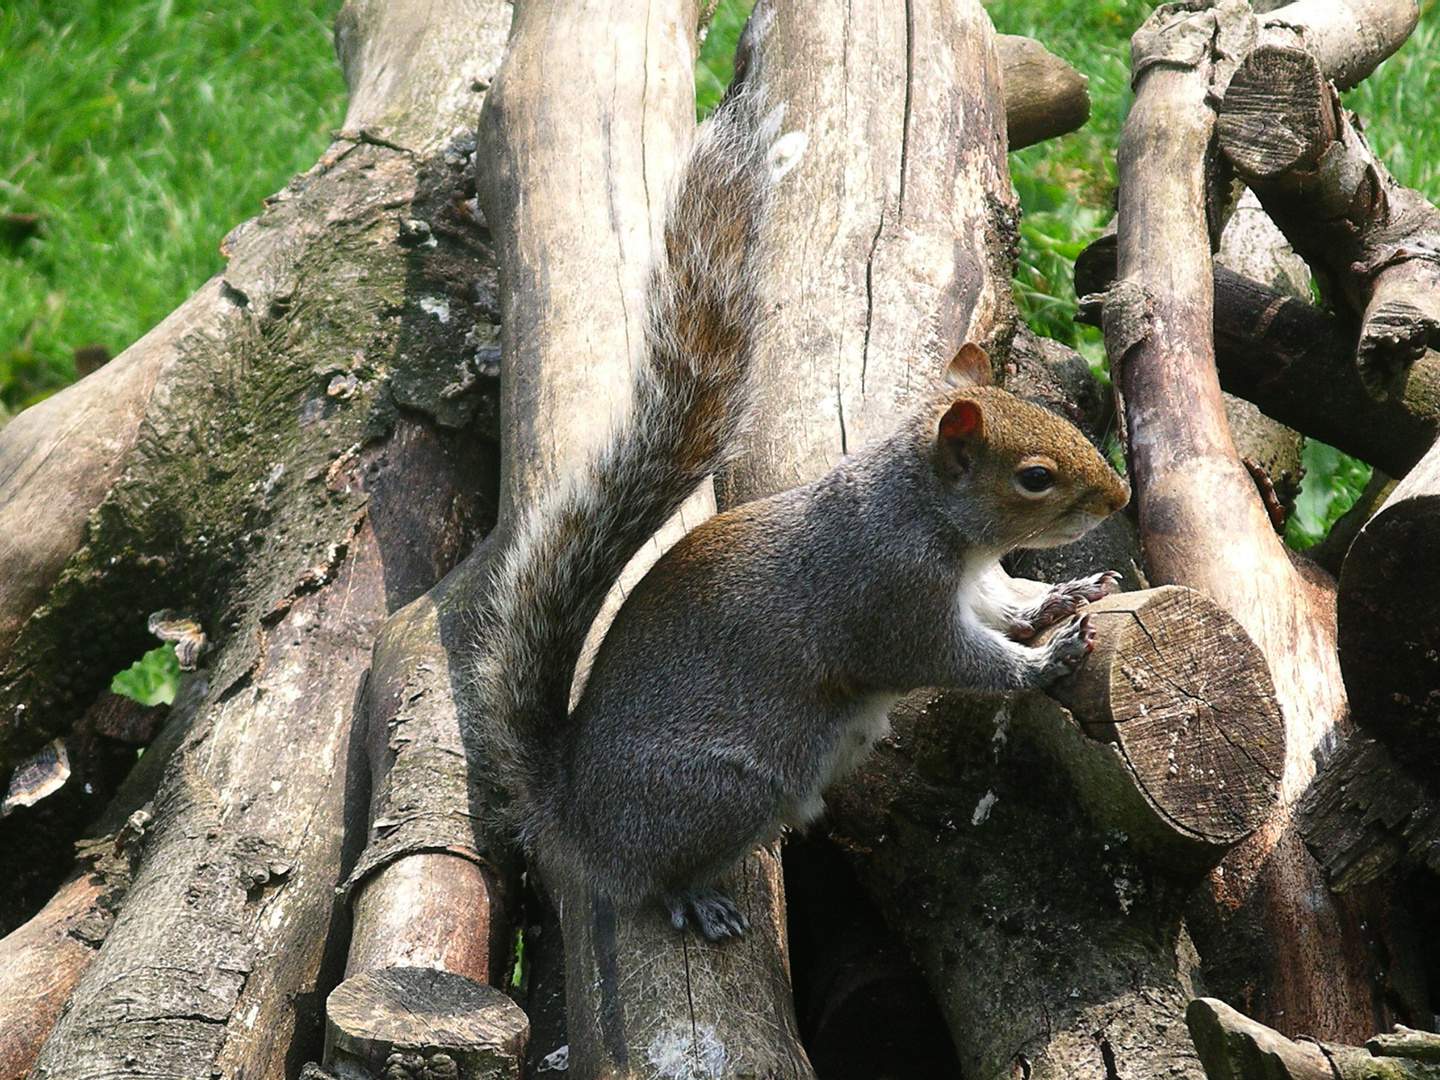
140, 133
716, 60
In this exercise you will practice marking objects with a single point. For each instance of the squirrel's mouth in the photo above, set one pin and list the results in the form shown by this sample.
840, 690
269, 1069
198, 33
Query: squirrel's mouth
1066, 531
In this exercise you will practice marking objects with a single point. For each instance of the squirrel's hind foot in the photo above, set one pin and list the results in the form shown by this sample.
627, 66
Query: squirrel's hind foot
709, 911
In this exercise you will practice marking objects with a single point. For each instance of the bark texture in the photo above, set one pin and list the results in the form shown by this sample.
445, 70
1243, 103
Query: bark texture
1204, 525
1389, 618
892, 246
1374, 245
311, 456
576, 246
1296, 363
1234, 1047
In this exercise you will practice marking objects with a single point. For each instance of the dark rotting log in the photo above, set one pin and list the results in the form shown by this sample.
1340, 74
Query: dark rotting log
1366, 816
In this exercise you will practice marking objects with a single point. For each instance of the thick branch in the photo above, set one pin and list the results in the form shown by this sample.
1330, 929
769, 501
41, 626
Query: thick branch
1234, 1047
1296, 363
1044, 96
277, 490
1201, 520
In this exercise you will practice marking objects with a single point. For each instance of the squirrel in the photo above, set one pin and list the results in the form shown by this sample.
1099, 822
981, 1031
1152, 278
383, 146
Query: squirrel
758, 658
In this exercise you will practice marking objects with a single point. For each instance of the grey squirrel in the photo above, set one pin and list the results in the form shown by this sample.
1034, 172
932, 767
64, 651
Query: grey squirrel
757, 660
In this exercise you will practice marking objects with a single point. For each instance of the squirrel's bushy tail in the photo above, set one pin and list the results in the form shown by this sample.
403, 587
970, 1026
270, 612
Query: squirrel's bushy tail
690, 396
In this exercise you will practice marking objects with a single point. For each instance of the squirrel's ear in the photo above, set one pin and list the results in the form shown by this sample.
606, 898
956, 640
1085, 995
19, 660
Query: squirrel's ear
970, 366
962, 428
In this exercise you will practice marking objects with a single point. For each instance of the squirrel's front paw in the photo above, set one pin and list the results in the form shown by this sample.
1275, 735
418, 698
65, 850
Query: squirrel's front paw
1061, 601
1067, 648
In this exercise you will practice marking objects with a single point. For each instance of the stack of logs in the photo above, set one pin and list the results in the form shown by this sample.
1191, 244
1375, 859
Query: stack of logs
1052, 920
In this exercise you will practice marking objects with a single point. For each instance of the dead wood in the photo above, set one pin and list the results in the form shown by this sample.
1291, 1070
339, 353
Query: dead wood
1367, 817
567, 349
277, 494
882, 295
1389, 622
1373, 244
1201, 520
1044, 96
643, 1000
45, 495
417, 1021
40, 963
1253, 247
1053, 946
1234, 1047
42, 960
1297, 364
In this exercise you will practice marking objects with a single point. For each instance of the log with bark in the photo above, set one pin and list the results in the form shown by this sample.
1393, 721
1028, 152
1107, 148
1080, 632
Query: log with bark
1044, 96
310, 452
1201, 520
1373, 244
850, 314
303, 508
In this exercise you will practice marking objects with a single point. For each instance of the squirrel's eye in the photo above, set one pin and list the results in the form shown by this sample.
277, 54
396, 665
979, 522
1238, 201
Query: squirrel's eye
1035, 478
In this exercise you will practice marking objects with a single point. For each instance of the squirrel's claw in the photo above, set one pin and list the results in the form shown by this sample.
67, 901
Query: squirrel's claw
1061, 601
709, 911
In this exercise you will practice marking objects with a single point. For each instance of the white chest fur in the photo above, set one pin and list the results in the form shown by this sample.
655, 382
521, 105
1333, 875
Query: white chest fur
869, 720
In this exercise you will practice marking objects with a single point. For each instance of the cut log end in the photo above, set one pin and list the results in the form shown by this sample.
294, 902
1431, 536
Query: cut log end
1278, 115
426, 1018
1186, 698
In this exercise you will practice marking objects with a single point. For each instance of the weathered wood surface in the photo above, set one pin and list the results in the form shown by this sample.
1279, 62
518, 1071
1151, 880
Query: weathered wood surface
1201, 520
40, 964
1366, 816
1373, 244
421, 1022
1389, 619
1044, 96
644, 1001
1183, 740
1052, 945
570, 334
280, 496
884, 254
46, 496
42, 960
